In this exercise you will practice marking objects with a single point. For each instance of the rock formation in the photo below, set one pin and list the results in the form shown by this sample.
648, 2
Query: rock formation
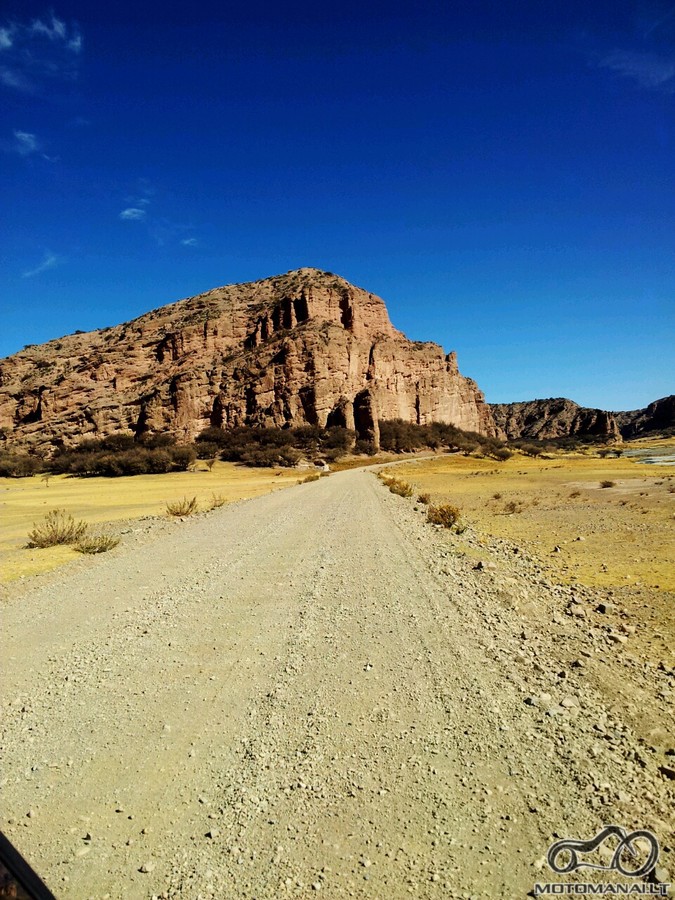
547, 419
305, 347
659, 416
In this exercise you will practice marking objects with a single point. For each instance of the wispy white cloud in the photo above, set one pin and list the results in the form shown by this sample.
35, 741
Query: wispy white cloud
48, 262
25, 143
656, 24
162, 230
649, 70
13, 79
132, 214
54, 30
38, 50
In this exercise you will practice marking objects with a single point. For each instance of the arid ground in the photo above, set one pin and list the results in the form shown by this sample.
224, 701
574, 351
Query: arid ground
316, 691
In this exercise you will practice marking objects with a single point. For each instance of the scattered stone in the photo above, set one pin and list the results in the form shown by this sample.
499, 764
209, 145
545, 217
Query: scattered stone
147, 867
569, 702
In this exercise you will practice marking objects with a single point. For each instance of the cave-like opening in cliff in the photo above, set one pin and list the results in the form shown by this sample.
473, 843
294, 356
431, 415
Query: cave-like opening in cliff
365, 423
346, 312
308, 400
337, 418
287, 312
301, 308
251, 401
217, 416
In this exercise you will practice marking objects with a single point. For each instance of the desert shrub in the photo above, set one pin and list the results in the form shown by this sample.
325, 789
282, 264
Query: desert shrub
274, 446
575, 494
19, 465
270, 456
309, 478
57, 527
532, 449
306, 437
364, 446
183, 457
497, 496
446, 515
158, 441
216, 501
607, 484
399, 487
119, 455
207, 449
424, 498
185, 507
218, 436
512, 506
337, 439
96, 543
502, 454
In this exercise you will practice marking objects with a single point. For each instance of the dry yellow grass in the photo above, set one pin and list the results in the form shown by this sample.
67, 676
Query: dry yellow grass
626, 531
24, 501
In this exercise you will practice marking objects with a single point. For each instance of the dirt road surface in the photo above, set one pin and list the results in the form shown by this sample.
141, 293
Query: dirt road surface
314, 691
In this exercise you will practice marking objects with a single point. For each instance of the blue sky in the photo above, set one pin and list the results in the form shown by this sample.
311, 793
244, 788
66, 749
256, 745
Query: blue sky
502, 174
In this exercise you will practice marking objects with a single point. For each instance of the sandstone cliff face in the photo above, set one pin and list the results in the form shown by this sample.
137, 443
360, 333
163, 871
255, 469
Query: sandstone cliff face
659, 416
306, 347
547, 419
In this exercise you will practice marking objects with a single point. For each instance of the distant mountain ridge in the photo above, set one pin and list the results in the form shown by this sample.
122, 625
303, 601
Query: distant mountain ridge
559, 417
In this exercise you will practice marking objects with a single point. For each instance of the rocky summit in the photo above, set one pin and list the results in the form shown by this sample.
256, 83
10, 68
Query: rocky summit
302, 348
551, 419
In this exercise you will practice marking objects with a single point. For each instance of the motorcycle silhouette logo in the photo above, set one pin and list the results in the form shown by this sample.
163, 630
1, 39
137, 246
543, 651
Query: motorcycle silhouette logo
626, 841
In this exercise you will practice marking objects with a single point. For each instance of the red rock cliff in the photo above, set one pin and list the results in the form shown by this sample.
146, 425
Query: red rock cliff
306, 347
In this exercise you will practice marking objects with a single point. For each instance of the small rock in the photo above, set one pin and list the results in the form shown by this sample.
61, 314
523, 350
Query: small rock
617, 638
213, 833
659, 875
147, 867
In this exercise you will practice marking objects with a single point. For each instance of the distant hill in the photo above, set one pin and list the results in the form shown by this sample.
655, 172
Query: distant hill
559, 418
659, 416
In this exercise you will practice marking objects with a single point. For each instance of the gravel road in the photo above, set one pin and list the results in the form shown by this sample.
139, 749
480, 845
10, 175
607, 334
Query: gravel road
315, 691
